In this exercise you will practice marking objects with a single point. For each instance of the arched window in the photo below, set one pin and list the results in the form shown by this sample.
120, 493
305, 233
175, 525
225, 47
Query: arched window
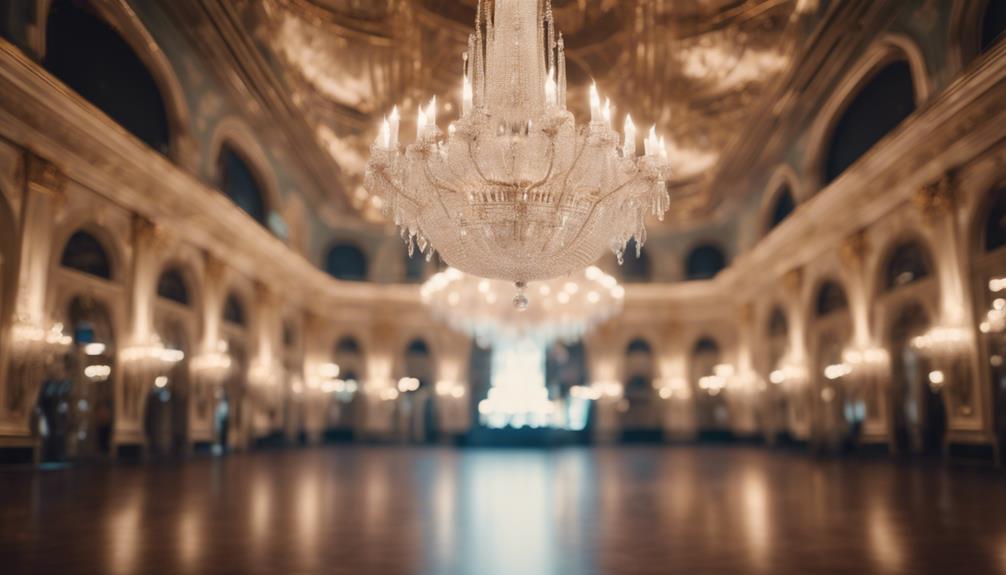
234, 311
349, 356
239, 183
705, 357
639, 367
419, 362
704, 263
782, 207
89, 56
879, 107
907, 264
415, 267
346, 262
171, 286
995, 224
830, 299
993, 24
84, 253
638, 346
778, 326
635, 269
566, 365
348, 345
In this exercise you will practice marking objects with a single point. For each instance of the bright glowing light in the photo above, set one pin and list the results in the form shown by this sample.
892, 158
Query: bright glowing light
329, 370
518, 396
936, 379
97, 372
161, 381
407, 384
837, 371
93, 349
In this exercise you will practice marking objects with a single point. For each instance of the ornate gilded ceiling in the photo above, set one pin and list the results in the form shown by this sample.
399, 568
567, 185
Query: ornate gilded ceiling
696, 68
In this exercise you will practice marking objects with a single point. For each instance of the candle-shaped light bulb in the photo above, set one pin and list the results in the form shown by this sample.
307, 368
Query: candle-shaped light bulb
629, 146
551, 89
651, 143
467, 96
421, 122
384, 139
606, 112
595, 104
663, 148
431, 112
393, 123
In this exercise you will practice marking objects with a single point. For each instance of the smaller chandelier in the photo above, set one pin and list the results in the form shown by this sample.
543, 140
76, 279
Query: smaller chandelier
563, 309
515, 190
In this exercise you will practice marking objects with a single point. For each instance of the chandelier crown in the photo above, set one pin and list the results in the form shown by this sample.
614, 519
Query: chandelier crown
515, 190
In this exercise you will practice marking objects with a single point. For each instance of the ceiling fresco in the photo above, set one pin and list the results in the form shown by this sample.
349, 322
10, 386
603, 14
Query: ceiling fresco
696, 68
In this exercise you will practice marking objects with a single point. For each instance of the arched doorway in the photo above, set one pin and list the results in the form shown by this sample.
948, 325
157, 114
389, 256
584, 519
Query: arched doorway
349, 356
918, 415
417, 410
640, 417
777, 408
76, 411
836, 420
169, 402
230, 417
165, 420
712, 416
565, 369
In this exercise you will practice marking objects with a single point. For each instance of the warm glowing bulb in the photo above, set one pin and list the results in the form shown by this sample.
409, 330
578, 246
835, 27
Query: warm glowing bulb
393, 126
629, 146
595, 103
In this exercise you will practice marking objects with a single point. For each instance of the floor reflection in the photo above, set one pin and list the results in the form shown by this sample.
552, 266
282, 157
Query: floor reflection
513, 512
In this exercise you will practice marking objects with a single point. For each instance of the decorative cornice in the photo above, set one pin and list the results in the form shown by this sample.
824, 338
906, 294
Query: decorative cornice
854, 250
937, 198
43, 176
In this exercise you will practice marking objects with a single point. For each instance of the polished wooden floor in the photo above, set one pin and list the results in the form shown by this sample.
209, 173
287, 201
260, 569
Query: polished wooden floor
688, 511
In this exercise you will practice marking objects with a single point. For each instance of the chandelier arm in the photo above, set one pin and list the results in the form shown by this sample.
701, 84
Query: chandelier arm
437, 186
478, 169
551, 166
565, 177
398, 189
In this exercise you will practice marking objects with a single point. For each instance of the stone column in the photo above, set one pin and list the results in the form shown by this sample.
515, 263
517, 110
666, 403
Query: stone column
266, 376
744, 396
377, 420
969, 405
206, 380
43, 194
138, 374
797, 384
604, 361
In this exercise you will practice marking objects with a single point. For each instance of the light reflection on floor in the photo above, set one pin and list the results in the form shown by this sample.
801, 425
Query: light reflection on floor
506, 512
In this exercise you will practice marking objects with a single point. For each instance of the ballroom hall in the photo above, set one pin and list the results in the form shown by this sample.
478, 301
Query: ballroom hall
503, 287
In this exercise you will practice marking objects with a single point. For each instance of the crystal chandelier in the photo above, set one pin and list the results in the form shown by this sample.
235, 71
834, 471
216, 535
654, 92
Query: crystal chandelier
515, 190
563, 309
